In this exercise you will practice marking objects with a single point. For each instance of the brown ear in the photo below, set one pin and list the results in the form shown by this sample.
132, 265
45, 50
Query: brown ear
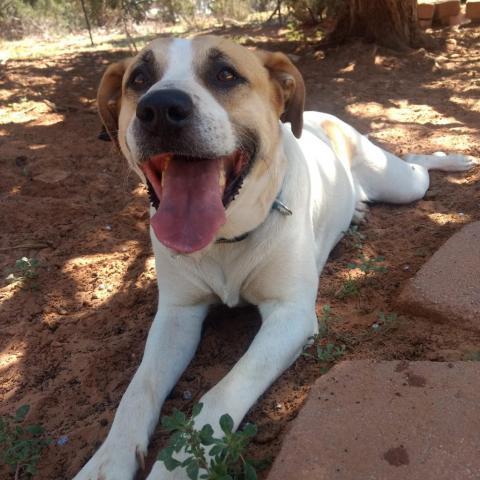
109, 96
292, 88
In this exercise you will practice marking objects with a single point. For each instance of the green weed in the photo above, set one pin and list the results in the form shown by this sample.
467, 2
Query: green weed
329, 352
355, 237
385, 322
21, 446
349, 288
208, 457
25, 272
368, 265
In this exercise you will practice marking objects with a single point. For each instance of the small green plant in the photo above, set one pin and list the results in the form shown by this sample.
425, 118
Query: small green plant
354, 236
472, 356
368, 265
349, 288
208, 457
324, 352
21, 446
328, 353
325, 320
25, 271
385, 322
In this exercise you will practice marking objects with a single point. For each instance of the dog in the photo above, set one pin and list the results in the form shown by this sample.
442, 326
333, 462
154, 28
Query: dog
248, 195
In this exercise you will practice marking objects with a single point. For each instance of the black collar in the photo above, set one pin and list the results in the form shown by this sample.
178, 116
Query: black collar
277, 205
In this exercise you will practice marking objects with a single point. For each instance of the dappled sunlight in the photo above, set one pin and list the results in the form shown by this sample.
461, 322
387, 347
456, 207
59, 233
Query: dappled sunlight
448, 218
11, 356
461, 179
401, 111
30, 114
109, 272
49, 120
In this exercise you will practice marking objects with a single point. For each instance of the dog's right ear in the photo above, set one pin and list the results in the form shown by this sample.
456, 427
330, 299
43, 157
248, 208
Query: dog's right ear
109, 96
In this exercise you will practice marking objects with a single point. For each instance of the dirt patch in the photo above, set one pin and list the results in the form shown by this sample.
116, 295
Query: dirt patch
73, 337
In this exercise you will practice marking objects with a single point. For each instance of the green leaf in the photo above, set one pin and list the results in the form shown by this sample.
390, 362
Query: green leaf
30, 469
165, 456
249, 472
179, 417
34, 429
176, 439
250, 430
206, 435
192, 470
197, 408
216, 451
21, 413
226, 423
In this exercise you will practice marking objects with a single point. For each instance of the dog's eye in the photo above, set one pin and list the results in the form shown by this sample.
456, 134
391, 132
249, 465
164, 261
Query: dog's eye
138, 80
227, 74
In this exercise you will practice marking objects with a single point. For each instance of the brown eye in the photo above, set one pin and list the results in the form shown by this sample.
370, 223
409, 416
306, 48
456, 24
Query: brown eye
138, 80
226, 74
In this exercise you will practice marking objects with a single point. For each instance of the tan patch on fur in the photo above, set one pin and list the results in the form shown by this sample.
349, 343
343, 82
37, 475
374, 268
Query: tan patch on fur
109, 96
255, 106
342, 145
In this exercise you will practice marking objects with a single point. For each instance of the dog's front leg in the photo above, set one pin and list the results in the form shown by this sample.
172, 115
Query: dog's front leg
171, 343
285, 329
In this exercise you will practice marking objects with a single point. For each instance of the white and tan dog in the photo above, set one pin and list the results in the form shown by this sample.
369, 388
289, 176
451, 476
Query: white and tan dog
242, 211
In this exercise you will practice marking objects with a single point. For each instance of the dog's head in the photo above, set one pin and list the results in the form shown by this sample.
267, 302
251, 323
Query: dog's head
200, 118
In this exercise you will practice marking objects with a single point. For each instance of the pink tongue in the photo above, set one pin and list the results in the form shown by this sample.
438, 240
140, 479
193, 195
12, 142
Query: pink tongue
191, 209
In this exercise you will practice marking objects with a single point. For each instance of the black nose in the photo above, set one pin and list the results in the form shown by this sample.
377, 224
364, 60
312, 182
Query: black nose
167, 108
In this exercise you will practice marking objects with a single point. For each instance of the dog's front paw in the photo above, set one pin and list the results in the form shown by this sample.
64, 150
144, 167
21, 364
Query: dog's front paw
112, 462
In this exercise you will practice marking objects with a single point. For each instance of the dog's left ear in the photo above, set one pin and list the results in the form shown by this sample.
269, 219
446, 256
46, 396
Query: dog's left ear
109, 97
291, 87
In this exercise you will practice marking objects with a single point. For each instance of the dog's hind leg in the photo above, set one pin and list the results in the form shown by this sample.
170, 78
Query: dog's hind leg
453, 162
380, 176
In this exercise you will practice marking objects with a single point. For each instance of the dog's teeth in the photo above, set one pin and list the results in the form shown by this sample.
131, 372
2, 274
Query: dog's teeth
166, 162
140, 458
222, 179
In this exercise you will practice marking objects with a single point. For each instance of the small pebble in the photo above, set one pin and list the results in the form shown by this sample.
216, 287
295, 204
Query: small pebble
101, 286
187, 395
406, 267
375, 326
108, 227
63, 440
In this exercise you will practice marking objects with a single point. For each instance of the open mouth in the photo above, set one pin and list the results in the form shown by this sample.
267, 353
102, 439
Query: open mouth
191, 194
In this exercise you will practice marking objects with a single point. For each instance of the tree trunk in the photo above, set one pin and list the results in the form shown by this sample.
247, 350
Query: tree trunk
87, 21
391, 23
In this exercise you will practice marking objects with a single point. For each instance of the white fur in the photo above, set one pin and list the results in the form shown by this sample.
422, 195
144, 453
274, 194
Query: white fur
277, 268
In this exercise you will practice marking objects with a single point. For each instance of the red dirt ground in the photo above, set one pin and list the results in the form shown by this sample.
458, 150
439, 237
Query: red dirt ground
71, 341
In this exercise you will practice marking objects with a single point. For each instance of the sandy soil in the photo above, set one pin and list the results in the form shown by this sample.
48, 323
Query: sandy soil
71, 340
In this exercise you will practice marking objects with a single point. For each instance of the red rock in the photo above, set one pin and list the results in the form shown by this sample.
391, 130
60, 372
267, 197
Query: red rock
387, 421
446, 8
473, 10
447, 287
425, 10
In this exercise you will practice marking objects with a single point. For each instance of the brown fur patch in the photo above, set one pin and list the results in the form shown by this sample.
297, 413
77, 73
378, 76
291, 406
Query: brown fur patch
341, 143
